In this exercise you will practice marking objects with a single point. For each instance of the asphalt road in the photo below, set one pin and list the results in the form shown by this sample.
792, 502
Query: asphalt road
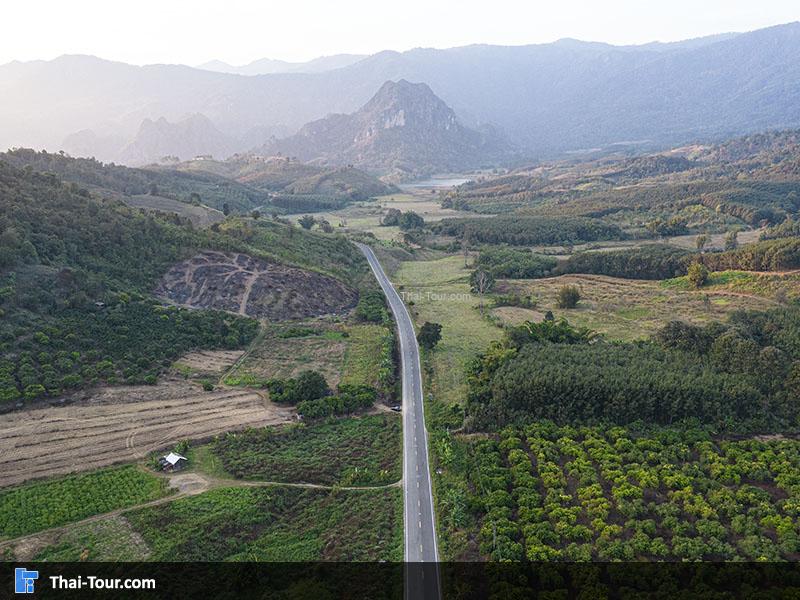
422, 580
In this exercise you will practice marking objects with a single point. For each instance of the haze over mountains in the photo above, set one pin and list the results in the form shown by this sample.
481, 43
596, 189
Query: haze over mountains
403, 129
546, 99
265, 66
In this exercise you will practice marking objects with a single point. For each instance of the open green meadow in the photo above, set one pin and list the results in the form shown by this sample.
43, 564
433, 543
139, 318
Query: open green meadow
439, 290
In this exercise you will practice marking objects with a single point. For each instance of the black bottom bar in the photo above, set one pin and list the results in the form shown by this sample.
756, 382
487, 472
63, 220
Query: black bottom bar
374, 581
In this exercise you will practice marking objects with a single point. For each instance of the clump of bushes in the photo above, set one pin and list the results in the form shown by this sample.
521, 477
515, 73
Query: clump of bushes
568, 296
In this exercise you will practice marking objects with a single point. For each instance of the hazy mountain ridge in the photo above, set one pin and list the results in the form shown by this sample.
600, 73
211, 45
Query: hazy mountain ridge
548, 98
267, 66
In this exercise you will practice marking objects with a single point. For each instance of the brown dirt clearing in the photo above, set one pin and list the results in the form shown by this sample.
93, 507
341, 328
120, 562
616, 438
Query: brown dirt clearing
122, 424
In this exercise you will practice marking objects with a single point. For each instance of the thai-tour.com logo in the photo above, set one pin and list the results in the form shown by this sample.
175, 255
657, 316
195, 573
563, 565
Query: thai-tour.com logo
24, 580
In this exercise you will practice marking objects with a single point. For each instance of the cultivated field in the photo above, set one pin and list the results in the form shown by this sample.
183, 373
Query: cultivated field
625, 309
207, 362
272, 523
122, 424
351, 354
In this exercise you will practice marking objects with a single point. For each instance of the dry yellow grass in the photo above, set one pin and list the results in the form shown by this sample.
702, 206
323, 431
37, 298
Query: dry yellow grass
625, 309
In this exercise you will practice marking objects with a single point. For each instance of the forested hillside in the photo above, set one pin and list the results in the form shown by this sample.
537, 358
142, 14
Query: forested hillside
212, 190
76, 274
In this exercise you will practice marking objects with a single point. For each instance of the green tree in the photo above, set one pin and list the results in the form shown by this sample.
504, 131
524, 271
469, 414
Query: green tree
306, 221
732, 240
410, 220
429, 335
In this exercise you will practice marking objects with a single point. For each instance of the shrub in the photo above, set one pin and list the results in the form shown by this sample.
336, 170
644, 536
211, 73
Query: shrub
698, 275
568, 296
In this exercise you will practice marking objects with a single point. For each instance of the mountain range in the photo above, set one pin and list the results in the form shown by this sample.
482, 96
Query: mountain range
548, 99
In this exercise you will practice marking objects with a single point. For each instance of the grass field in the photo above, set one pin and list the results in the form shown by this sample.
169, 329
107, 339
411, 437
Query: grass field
623, 309
111, 539
439, 290
769, 285
369, 348
285, 351
364, 451
366, 216
341, 352
47, 504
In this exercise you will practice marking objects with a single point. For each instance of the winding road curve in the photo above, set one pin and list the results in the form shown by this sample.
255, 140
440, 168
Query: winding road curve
421, 552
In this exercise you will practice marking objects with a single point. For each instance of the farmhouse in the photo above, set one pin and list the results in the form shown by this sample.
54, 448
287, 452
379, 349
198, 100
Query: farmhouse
172, 462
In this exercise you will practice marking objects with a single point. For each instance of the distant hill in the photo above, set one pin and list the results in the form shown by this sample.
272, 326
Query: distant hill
568, 96
294, 186
190, 137
404, 128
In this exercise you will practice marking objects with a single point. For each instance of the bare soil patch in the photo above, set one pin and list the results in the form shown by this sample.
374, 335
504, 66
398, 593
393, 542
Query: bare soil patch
245, 285
122, 424
288, 357
208, 362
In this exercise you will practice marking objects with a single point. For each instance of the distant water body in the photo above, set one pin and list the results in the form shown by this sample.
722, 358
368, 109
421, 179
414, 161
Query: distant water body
436, 183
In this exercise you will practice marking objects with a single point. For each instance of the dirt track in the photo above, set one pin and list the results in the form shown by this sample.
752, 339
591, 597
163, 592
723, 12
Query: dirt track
122, 424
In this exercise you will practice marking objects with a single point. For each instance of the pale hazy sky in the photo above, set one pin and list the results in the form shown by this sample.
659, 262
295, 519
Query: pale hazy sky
238, 31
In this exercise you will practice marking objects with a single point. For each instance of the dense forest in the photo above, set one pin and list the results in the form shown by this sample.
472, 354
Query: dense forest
655, 261
770, 255
747, 370
526, 230
789, 228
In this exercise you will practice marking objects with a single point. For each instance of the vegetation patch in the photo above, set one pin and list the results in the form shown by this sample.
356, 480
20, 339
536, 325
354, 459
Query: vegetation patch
274, 524
624, 309
522, 230
744, 373
543, 493
47, 504
111, 539
349, 452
